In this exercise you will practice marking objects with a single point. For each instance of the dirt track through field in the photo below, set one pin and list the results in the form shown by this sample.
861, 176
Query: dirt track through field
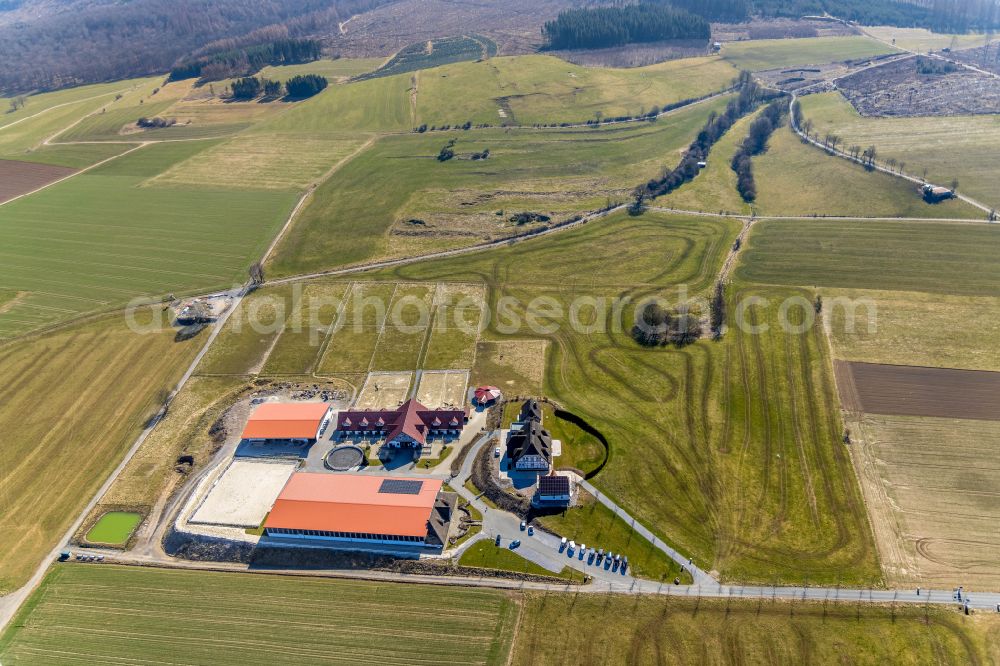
17, 178
905, 390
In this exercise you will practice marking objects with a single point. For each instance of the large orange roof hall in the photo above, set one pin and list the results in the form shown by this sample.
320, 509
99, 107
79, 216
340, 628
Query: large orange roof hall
286, 420
362, 503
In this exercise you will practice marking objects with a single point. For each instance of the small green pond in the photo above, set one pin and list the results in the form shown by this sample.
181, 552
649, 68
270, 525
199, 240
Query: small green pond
114, 527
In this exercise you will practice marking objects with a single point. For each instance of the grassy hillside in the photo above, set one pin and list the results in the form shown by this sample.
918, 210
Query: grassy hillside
71, 404
137, 614
381, 104
771, 53
102, 238
966, 148
334, 70
362, 213
528, 89
35, 104
728, 450
794, 178
944, 258
543, 89
922, 39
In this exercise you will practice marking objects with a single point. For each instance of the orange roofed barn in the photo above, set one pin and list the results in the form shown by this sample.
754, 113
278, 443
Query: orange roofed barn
297, 422
360, 509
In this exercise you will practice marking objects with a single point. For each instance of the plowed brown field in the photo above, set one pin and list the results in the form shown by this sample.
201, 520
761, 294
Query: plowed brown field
917, 391
17, 178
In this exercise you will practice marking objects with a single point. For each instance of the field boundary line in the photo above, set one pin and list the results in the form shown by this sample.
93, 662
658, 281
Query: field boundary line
11, 603
310, 190
389, 263
76, 173
325, 345
381, 328
59, 106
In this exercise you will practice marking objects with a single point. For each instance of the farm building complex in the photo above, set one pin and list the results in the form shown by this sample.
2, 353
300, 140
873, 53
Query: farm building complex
361, 509
410, 425
298, 423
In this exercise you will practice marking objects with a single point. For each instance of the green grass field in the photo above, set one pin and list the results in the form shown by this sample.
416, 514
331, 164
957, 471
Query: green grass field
597, 629
381, 104
556, 172
334, 70
96, 613
728, 450
594, 525
966, 148
543, 89
528, 89
263, 160
71, 404
42, 102
100, 239
487, 555
771, 53
77, 156
580, 449
114, 528
923, 40
913, 328
935, 257
794, 178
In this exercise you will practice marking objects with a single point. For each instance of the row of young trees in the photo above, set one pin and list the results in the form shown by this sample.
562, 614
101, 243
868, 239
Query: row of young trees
749, 98
602, 27
755, 143
298, 87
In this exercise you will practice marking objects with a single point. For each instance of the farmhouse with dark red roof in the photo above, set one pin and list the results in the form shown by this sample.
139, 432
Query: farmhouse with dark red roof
409, 425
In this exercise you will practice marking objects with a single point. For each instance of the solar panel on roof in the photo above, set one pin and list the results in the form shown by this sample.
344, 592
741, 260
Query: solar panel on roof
553, 484
401, 486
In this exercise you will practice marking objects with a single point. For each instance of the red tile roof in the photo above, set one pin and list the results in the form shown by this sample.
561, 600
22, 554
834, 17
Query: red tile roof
284, 420
353, 503
411, 418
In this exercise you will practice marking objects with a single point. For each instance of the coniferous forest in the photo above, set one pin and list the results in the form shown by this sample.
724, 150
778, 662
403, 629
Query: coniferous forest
602, 27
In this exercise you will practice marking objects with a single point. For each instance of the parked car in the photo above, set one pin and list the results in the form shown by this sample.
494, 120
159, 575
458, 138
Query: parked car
600, 555
590, 556
514, 544
583, 550
562, 544
498, 539
624, 565
531, 530
524, 525
496, 452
